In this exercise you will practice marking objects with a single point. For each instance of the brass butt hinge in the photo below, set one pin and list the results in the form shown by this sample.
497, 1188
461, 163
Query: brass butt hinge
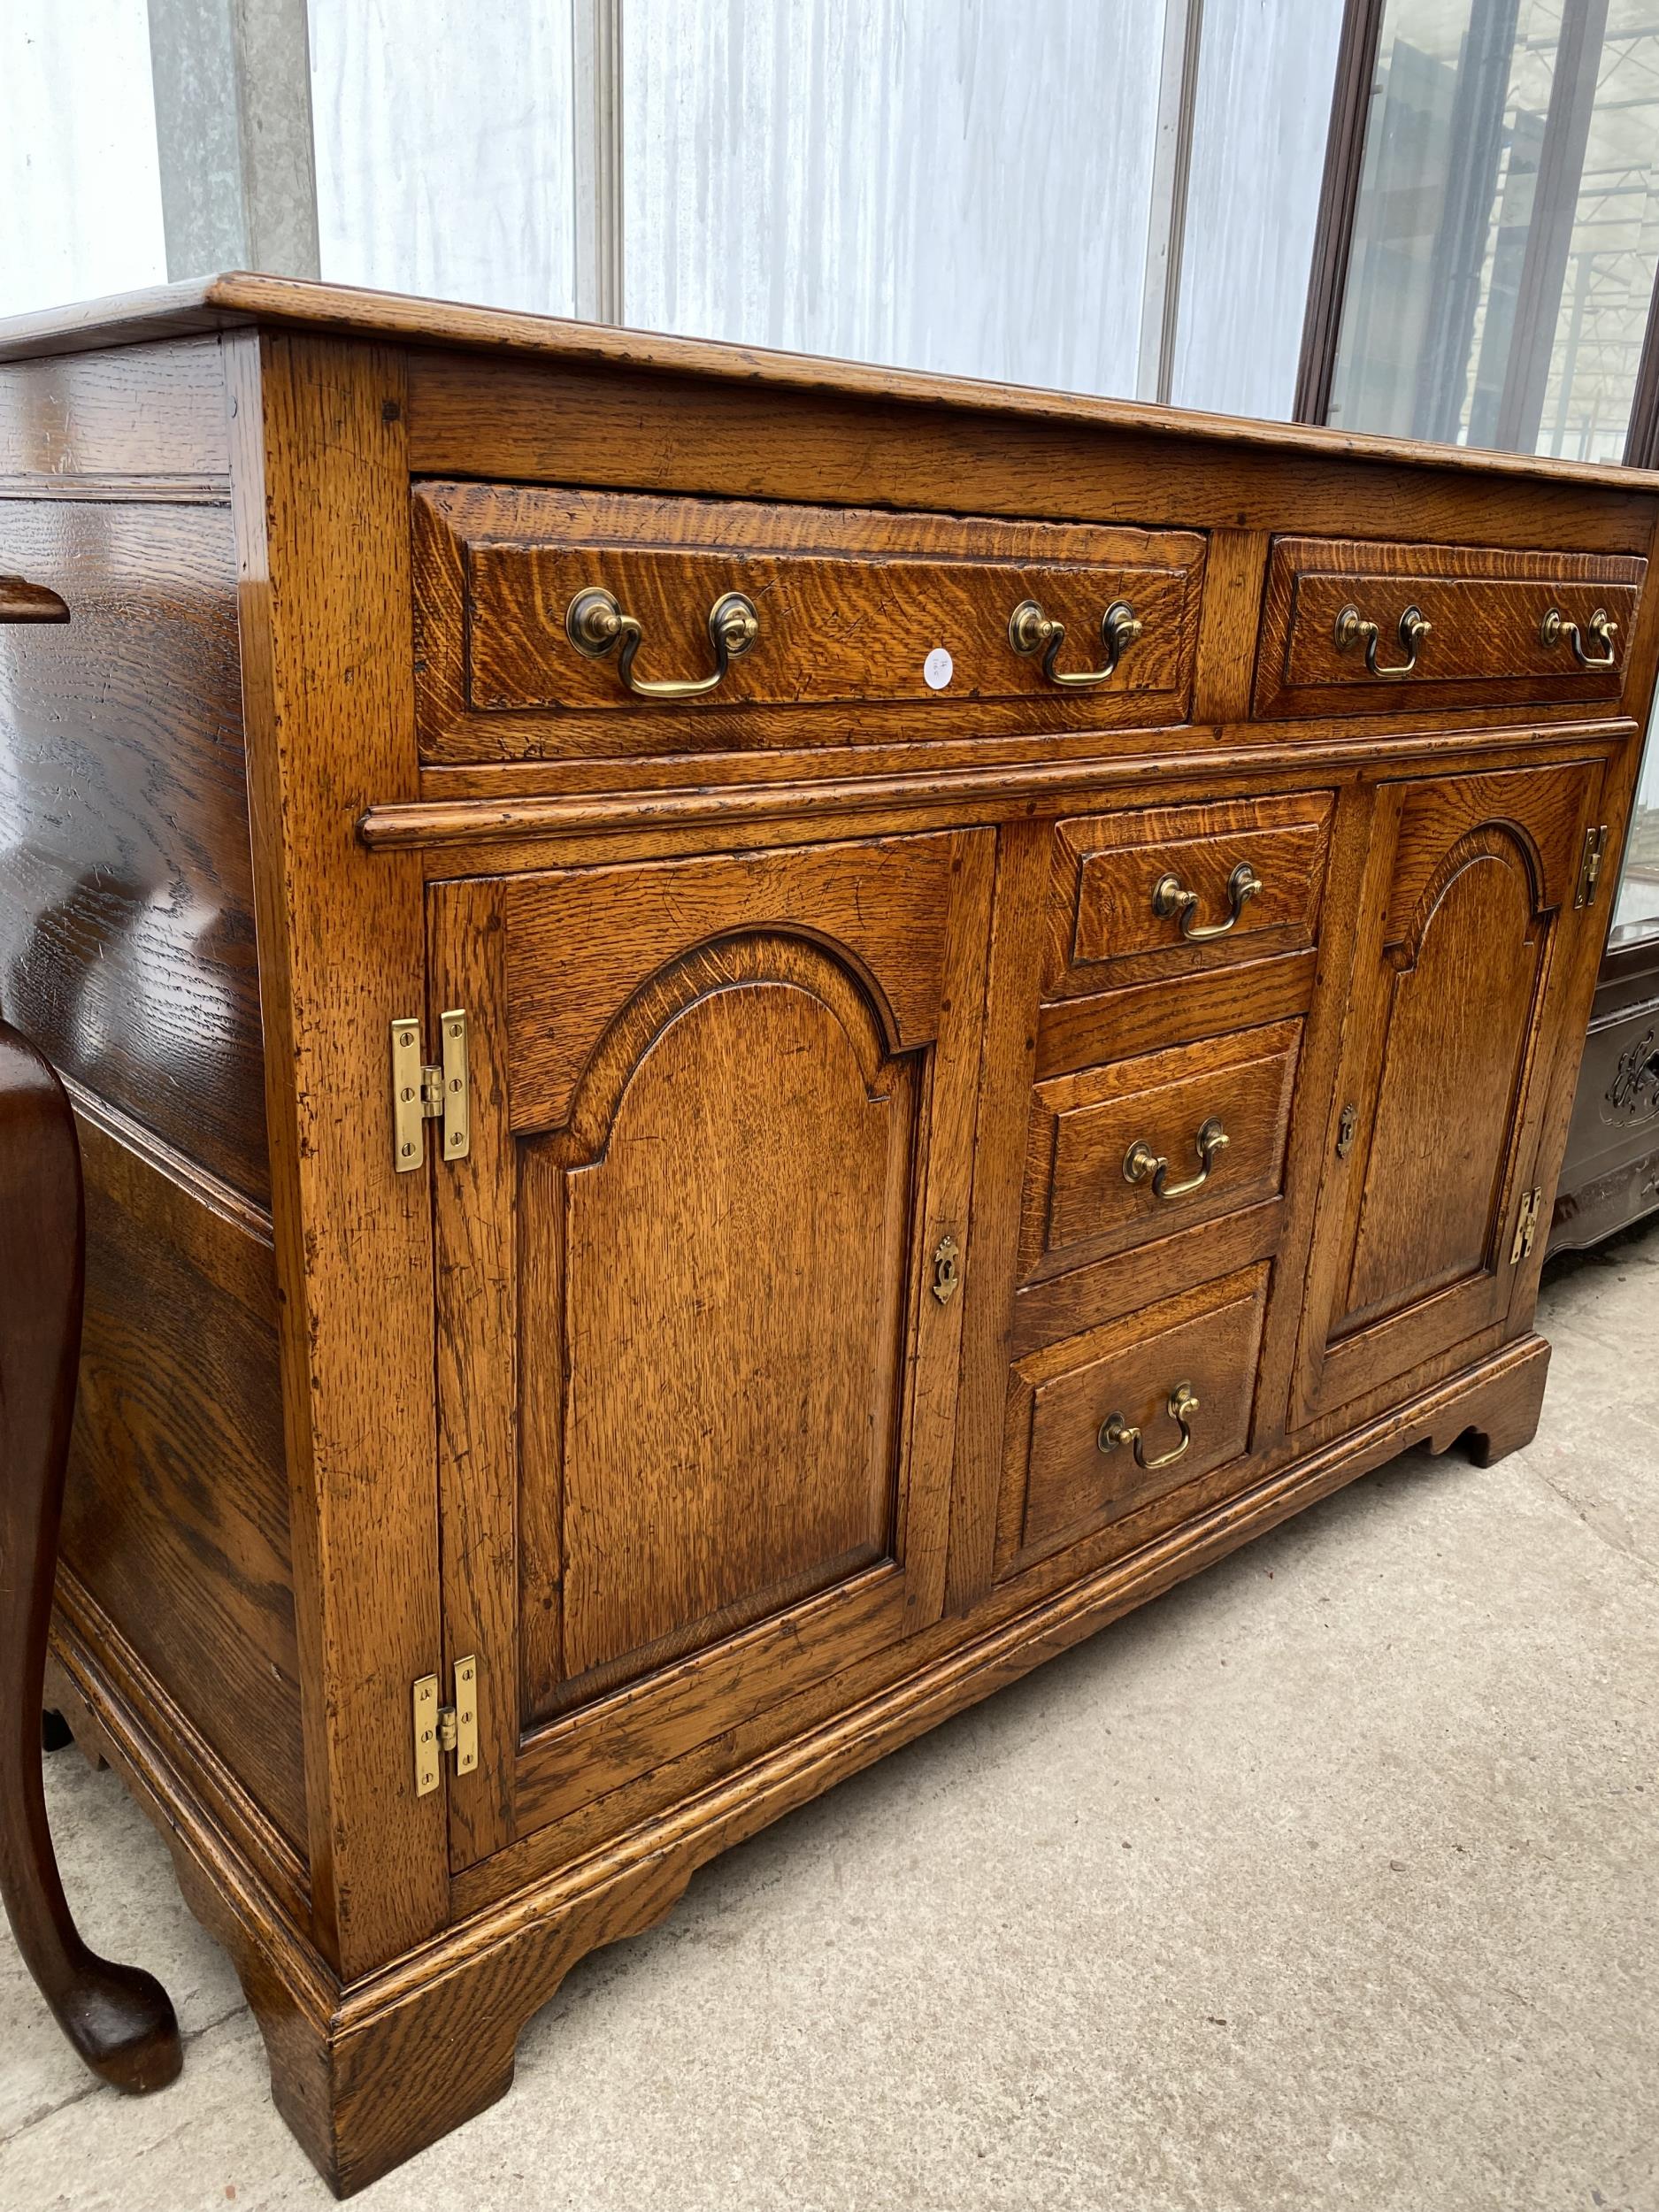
421, 1094
1525, 1227
440, 1728
1590, 865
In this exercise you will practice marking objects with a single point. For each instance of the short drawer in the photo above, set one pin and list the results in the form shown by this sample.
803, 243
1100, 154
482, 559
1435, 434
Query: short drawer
1110, 1422
1164, 890
574, 623
1351, 627
1146, 1147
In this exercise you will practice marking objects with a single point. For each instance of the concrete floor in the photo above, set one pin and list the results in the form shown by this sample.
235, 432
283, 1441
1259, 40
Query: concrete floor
1331, 1880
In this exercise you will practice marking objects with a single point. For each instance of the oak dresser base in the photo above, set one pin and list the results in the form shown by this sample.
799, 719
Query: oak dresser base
653, 1230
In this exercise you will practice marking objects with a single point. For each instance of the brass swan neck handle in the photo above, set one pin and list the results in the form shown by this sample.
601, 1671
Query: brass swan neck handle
1353, 628
1031, 631
1115, 1431
596, 623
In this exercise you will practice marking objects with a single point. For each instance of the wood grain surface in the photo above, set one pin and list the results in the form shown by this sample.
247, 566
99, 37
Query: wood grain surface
1059, 1483
647, 1403
1484, 607
850, 605
126, 935
1455, 1026
1078, 1203
322, 492
1104, 928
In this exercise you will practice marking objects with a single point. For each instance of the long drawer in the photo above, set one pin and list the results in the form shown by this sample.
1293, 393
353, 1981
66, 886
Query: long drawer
571, 624
1355, 627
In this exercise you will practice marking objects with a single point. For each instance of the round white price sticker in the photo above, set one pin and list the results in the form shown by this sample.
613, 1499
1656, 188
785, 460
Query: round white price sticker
937, 669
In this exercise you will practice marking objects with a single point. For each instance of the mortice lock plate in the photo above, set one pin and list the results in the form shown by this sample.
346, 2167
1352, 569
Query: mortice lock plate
440, 1728
421, 1092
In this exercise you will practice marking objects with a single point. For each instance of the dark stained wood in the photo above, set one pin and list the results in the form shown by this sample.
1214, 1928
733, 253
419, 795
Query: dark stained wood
126, 938
1610, 1175
1486, 610
1641, 441
117, 2017
851, 607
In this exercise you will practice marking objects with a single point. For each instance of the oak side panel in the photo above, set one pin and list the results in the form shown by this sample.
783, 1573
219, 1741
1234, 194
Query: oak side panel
126, 935
322, 526
176, 1520
142, 411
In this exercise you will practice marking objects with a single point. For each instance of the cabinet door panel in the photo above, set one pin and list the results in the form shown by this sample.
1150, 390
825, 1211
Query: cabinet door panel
698, 1400
1459, 1010
742, 1202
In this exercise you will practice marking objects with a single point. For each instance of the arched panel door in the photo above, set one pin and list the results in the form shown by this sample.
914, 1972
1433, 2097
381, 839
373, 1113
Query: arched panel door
696, 1374
1456, 1050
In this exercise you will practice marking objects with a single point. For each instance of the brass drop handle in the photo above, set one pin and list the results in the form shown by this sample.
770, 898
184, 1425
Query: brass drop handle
1030, 630
1114, 1430
23, 601
1140, 1161
1601, 627
595, 622
1352, 628
1170, 896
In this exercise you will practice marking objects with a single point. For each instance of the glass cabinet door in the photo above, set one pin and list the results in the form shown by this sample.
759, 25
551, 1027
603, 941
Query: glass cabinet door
1636, 908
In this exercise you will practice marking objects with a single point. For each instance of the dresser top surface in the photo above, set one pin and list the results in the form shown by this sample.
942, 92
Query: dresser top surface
239, 299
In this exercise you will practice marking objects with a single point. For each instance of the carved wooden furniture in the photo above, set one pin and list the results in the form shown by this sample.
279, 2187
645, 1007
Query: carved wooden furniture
117, 2017
753, 1041
1610, 1174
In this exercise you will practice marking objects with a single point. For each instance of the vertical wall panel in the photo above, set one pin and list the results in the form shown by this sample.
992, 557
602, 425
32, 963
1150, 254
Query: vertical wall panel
443, 147
1265, 73
957, 185
80, 190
